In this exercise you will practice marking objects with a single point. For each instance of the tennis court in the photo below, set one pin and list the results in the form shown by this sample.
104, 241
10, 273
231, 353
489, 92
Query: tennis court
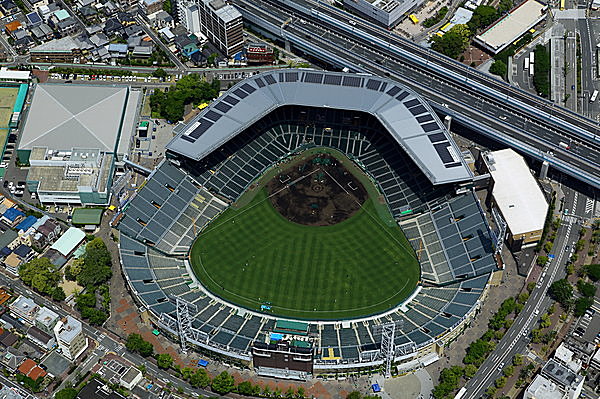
8, 97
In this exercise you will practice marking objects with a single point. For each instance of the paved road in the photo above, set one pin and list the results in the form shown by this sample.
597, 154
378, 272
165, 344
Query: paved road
180, 65
107, 340
516, 338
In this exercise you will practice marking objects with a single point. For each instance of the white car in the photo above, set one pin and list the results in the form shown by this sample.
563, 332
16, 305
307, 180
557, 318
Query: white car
3, 165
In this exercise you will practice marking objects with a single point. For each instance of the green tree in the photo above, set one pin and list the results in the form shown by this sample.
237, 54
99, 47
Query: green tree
97, 264
470, 371
483, 16
245, 388
164, 360
499, 68
159, 73
135, 343
593, 271
58, 294
508, 371
223, 383
41, 275
168, 6
581, 305
541, 77
518, 359
66, 393
200, 379
500, 382
562, 292
453, 42
541, 261
586, 289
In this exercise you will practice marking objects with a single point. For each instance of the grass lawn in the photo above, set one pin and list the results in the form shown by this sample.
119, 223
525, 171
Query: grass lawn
253, 255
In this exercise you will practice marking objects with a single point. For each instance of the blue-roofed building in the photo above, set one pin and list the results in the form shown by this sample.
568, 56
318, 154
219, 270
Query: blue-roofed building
23, 251
5, 251
34, 19
26, 223
12, 216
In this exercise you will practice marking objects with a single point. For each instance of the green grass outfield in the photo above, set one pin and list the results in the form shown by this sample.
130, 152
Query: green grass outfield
253, 255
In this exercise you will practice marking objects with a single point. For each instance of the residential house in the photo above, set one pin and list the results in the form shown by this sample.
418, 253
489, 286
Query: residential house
7, 338
26, 224
141, 52
45, 320
33, 19
117, 50
7, 238
12, 263
93, 29
162, 19
38, 3
31, 370
167, 35
40, 338
23, 40
25, 309
99, 39
83, 3
133, 31
12, 27
88, 12
55, 257
11, 359
186, 45
8, 7
12, 216
125, 18
42, 32
67, 26
99, 54
108, 8
151, 6
112, 27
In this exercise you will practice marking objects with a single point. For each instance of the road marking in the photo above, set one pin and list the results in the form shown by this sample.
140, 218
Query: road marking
589, 205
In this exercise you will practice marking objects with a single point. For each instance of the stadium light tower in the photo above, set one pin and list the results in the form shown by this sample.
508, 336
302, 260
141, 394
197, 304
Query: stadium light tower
388, 348
185, 310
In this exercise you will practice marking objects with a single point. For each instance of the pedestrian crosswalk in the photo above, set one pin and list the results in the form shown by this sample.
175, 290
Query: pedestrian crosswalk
589, 205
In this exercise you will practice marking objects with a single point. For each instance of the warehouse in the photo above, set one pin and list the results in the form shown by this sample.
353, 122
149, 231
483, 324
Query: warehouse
516, 194
72, 137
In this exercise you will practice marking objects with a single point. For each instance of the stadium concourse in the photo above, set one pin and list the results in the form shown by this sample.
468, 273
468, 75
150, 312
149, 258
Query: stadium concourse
389, 132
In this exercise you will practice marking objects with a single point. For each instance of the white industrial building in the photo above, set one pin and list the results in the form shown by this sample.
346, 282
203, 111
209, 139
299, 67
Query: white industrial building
384, 12
555, 382
516, 194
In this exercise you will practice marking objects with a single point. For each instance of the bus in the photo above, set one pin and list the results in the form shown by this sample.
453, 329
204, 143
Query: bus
461, 393
526, 63
562, 5
593, 96
414, 18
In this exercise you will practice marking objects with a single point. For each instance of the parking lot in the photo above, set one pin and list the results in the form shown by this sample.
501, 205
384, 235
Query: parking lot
71, 78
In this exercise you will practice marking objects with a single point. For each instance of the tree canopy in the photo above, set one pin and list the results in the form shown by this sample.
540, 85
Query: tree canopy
593, 271
223, 383
66, 393
483, 16
562, 292
190, 89
135, 343
501, 69
41, 275
453, 42
164, 360
97, 263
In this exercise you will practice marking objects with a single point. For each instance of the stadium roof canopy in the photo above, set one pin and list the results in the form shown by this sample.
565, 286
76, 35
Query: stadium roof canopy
407, 117
64, 116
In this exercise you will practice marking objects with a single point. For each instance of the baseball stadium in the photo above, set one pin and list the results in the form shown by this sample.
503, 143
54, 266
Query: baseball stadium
321, 214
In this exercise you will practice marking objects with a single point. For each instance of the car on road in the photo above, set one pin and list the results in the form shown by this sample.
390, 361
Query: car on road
501, 366
3, 165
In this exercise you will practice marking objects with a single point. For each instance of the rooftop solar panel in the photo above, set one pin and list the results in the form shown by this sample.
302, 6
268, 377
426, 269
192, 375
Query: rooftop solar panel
311, 77
430, 127
260, 82
402, 96
394, 90
203, 127
212, 115
424, 118
291, 76
188, 138
442, 150
333, 80
437, 137
412, 103
419, 109
270, 79
240, 93
373, 84
249, 89
223, 107
352, 81
231, 100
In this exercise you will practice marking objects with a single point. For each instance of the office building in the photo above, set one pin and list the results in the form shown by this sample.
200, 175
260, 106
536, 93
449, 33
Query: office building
70, 337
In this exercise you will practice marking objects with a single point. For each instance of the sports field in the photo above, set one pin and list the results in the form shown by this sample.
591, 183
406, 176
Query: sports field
253, 256
8, 96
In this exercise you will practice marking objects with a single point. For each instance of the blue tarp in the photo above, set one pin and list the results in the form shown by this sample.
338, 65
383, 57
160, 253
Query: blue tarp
276, 336
376, 388
202, 363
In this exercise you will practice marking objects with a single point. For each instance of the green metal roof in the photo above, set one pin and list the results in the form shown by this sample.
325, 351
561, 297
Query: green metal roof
69, 241
87, 216
291, 325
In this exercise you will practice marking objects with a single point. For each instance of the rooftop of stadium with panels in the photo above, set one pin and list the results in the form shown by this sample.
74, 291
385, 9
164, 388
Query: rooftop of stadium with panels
391, 134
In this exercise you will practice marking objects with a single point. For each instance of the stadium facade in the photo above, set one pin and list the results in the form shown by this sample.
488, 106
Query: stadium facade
394, 136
